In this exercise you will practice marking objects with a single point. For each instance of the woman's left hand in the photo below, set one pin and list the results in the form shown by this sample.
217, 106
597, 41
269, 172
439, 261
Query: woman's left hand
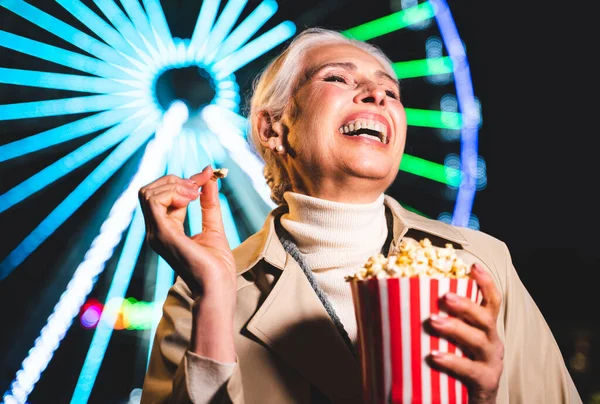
472, 327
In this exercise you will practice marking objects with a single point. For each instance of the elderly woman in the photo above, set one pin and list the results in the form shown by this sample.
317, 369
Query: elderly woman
273, 321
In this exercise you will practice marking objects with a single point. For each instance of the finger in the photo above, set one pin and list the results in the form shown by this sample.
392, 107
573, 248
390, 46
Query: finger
161, 202
491, 295
190, 190
203, 177
164, 180
212, 219
459, 367
470, 312
473, 340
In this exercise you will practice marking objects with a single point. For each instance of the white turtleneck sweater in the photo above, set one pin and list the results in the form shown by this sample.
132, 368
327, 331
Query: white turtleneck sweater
335, 240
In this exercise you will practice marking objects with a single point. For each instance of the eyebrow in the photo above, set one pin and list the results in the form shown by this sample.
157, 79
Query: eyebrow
348, 66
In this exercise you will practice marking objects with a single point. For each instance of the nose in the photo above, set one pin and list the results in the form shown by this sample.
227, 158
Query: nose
372, 94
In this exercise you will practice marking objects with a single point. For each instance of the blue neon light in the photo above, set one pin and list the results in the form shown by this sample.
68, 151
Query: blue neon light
104, 329
60, 56
64, 133
123, 25
60, 81
68, 163
67, 32
137, 16
159, 23
206, 19
246, 29
76, 105
76, 198
223, 26
467, 105
104, 30
254, 49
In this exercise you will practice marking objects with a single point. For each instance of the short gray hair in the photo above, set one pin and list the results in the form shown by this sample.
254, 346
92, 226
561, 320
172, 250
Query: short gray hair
274, 87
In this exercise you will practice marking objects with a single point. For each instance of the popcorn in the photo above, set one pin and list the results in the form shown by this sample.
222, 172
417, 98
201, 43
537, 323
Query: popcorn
414, 258
219, 173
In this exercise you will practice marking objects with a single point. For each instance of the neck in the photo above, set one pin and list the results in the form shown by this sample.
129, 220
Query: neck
343, 189
331, 234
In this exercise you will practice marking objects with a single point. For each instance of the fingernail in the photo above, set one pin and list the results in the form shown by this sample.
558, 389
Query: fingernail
436, 319
476, 268
436, 354
451, 297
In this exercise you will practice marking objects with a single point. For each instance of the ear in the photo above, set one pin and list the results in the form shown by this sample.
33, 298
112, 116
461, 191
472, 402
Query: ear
271, 133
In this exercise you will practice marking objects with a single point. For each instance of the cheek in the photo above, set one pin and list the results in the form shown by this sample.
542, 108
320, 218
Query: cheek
316, 109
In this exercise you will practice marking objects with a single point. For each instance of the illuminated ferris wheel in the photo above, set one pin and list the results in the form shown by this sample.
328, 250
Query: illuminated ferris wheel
125, 113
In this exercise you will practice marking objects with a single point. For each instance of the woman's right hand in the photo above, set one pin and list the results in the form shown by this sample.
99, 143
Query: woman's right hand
204, 261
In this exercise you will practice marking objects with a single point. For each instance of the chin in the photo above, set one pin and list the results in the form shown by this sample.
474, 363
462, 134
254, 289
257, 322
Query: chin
377, 170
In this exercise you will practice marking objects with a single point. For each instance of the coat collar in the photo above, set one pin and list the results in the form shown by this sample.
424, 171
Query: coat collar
292, 320
265, 243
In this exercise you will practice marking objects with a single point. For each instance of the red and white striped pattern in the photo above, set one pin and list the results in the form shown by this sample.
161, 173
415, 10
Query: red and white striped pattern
393, 344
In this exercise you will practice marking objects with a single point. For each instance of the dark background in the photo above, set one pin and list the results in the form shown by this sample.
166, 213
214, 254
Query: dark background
533, 71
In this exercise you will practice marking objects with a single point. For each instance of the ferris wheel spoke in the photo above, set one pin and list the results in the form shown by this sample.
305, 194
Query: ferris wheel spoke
64, 106
120, 21
61, 56
159, 24
100, 27
61, 81
434, 119
423, 67
64, 133
204, 23
253, 49
68, 163
68, 33
244, 31
430, 170
77, 197
226, 20
116, 292
393, 22
164, 273
140, 20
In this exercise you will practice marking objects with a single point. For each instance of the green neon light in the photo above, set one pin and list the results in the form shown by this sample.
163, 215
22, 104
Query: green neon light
423, 67
434, 119
391, 23
429, 169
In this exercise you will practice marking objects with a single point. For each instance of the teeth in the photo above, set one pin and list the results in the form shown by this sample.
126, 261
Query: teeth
369, 136
366, 124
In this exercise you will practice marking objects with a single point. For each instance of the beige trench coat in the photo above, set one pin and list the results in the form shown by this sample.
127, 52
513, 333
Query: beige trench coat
286, 341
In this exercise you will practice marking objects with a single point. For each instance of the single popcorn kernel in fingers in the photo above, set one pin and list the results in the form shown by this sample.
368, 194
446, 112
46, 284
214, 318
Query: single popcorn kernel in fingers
219, 173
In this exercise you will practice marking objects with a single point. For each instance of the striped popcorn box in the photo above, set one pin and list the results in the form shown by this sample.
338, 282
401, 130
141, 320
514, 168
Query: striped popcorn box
393, 343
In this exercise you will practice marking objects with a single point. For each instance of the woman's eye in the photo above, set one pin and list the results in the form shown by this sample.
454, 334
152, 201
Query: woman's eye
335, 79
391, 94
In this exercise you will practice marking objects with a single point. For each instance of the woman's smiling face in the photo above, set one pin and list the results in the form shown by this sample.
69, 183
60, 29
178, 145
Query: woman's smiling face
346, 126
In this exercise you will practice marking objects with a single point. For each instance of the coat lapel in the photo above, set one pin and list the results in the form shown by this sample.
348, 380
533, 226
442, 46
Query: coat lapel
293, 323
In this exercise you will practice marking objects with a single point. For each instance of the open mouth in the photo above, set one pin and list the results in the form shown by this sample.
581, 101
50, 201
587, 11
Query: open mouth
367, 128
